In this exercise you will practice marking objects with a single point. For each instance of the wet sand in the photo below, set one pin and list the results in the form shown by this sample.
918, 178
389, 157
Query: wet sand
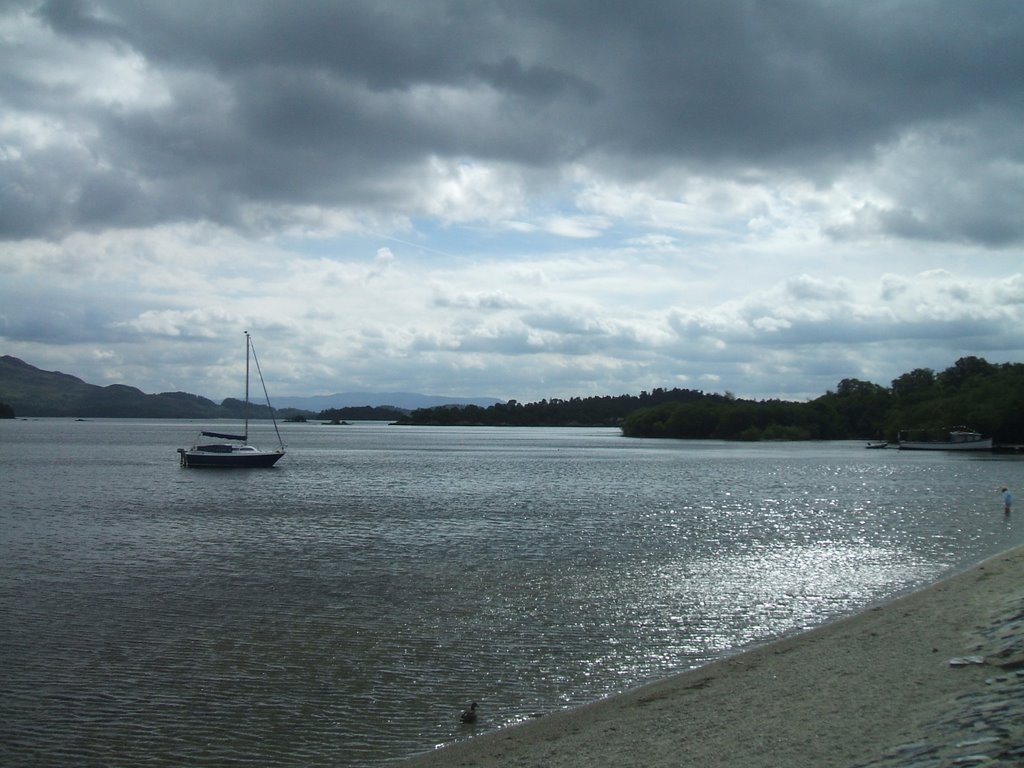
874, 689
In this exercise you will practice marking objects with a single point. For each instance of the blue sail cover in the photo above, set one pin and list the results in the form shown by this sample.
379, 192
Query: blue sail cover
223, 436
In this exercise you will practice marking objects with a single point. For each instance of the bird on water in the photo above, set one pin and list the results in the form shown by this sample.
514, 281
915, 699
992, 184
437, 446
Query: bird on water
469, 715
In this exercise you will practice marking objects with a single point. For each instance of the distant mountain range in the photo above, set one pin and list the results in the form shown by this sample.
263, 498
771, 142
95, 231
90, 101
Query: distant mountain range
31, 391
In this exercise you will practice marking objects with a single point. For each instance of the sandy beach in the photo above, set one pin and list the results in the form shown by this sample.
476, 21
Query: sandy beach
933, 678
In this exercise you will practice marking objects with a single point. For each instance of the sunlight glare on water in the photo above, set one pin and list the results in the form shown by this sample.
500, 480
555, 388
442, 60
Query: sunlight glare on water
341, 608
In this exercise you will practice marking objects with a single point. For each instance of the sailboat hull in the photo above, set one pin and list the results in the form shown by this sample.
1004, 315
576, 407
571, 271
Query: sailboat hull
231, 458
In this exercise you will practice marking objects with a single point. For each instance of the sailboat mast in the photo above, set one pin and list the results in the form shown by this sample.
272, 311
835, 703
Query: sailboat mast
270, 408
248, 345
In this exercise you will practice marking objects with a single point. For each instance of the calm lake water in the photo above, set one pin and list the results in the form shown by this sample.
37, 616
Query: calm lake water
343, 607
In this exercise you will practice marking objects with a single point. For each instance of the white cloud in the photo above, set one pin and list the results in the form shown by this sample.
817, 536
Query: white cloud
581, 227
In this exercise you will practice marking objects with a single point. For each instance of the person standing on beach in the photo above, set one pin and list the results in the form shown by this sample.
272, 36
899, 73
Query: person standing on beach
1007, 500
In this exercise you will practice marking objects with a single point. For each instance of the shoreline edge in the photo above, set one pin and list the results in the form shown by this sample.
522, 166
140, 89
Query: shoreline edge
934, 673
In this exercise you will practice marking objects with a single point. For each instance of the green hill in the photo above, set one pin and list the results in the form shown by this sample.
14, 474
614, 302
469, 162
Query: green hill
30, 391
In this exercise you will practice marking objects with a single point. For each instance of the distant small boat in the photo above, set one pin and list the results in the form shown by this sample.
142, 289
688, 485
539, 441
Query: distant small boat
955, 439
236, 453
879, 444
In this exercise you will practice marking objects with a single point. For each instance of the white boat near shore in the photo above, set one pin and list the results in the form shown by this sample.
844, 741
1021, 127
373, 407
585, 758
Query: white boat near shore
955, 439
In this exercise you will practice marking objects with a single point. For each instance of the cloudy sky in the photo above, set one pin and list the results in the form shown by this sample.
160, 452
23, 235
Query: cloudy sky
521, 199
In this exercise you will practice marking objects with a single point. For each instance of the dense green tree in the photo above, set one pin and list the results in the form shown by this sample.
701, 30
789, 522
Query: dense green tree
917, 384
964, 370
856, 408
973, 392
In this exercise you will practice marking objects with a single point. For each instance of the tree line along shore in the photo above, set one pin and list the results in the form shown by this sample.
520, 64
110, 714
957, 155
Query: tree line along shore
987, 397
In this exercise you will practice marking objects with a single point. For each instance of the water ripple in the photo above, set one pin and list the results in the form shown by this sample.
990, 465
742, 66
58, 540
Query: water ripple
342, 608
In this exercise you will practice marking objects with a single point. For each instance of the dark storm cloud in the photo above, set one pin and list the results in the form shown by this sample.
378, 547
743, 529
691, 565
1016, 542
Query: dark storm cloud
334, 103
